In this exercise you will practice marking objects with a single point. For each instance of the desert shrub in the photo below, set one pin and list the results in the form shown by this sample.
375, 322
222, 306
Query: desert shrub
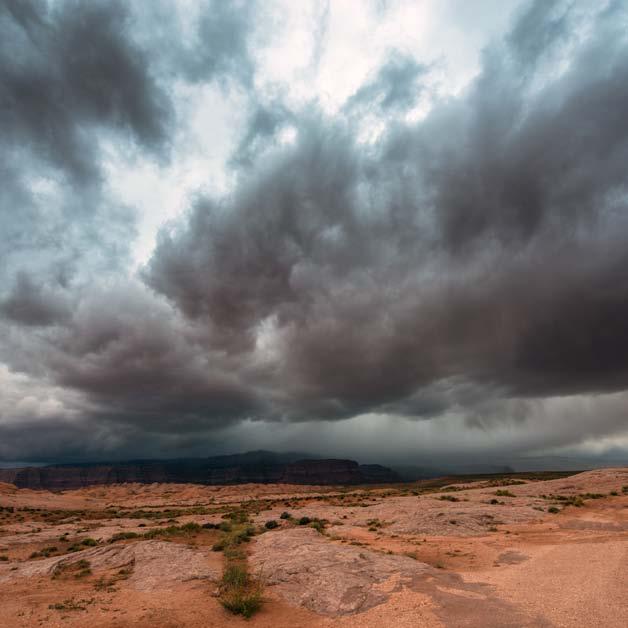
234, 552
613, 493
318, 525
553, 510
44, 553
237, 516
285, 515
70, 605
80, 569
122, 536
235, 575
235, 536
303, 521
271, 525
448, 498
209, 526
504, 493
624, 489
242, 602
89, 542
4, 559
494, 501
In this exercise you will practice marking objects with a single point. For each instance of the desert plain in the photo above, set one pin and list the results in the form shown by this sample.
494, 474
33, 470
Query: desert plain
492, 551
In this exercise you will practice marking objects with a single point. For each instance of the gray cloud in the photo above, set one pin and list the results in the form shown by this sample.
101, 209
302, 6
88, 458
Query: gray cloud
385, 272
468, 265
52, 93
32, 304
396, 87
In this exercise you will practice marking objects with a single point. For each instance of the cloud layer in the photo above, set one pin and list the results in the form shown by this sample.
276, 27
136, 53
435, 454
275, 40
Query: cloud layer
456, 259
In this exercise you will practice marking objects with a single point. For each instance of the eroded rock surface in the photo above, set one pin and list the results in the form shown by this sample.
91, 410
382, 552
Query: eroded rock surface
310, 570
153, 565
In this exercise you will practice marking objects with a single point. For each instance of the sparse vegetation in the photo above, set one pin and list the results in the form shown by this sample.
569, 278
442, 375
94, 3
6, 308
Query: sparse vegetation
89, 542
71, 605
78, 569
44, 553
240, 593
448, 498
504, 493
271, 524
107, 584
123, 536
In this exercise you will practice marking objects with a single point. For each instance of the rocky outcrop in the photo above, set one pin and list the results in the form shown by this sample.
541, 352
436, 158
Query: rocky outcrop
153, 565
306, 569
256, 467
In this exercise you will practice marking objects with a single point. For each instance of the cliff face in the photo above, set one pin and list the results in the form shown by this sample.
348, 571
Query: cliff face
220, 470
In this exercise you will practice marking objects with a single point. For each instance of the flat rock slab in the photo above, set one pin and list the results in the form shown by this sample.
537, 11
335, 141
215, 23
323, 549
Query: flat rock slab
154, 565
330, 579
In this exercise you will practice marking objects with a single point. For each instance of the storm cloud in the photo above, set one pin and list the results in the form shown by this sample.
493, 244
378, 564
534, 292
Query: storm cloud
409, 259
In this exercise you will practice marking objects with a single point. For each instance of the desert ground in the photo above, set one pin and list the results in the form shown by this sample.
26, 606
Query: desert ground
517, 550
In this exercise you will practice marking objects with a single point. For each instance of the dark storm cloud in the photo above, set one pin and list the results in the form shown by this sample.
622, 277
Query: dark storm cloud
32, 304
454, 248
144, 366
76, 78
67, 66
472, 262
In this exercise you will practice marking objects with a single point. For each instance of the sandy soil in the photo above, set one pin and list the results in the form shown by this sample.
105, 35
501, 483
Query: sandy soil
480, 554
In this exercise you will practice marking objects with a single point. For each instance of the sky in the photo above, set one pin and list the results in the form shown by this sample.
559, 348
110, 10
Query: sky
382, 229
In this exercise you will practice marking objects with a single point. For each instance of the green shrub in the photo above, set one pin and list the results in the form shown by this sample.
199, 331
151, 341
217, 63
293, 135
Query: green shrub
245, 603
449, 498
317, 525
553, 510
235, 575
285, 515
271, 525
504, 493
122, 536
88, 542
303, 521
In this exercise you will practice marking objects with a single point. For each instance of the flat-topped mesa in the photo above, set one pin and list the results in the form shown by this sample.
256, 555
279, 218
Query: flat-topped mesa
199, 471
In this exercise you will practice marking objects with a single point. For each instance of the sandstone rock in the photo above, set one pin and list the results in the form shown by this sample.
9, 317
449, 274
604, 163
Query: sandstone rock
330, 579
155, 565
